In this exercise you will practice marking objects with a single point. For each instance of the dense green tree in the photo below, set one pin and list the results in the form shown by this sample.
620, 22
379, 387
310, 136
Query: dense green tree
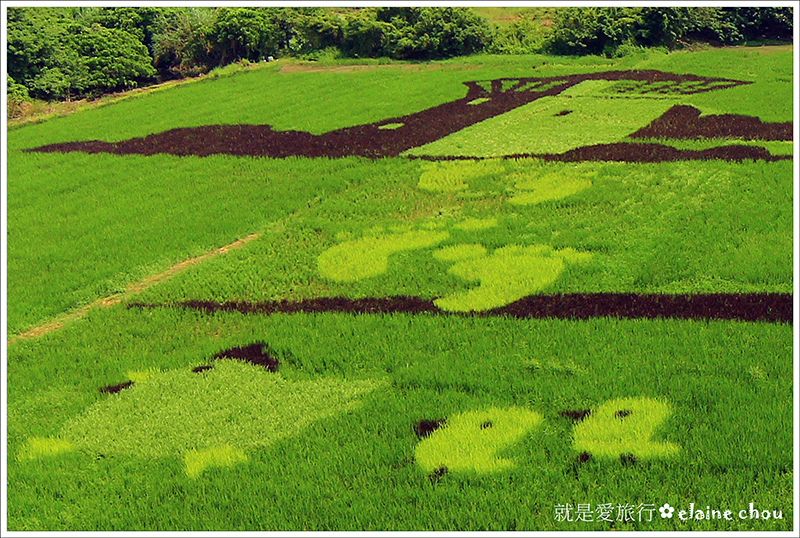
182, 41
110, 59
428, 33
245, 33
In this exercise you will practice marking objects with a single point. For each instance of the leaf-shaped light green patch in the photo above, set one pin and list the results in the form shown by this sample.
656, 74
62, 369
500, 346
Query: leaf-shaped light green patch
510, 273
234, 404
624, 426
197, 461
546, 187
42, 447
473, 441
369, 256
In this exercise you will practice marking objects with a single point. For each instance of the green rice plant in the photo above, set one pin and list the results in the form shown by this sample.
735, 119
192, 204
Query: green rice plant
510, 273
369, 256
472, 441
623, 427
234, 448
355, 470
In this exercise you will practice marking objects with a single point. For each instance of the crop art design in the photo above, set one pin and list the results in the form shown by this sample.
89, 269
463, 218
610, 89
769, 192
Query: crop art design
567, 125
209, 416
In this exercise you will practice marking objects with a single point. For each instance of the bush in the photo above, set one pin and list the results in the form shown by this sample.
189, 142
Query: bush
433, 33
16, 98
581, 31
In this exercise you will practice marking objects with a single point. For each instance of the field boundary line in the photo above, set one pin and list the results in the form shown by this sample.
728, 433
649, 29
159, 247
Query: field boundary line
132, 289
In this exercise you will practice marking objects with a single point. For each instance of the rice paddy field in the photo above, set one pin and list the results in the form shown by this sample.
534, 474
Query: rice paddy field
513, 293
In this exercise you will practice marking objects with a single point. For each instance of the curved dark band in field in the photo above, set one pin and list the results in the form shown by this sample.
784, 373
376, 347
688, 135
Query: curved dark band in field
389, 138
767, 307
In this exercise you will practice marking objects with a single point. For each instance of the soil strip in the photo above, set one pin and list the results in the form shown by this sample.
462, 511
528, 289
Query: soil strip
132, 289
764, 307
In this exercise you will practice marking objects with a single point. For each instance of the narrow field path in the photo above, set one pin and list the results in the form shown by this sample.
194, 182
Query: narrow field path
132, 289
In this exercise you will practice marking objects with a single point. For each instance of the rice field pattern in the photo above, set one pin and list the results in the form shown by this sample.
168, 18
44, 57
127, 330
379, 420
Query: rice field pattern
485, 100
564, 289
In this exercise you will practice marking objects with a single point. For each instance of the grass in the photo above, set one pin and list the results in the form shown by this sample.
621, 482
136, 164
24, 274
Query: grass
328, 441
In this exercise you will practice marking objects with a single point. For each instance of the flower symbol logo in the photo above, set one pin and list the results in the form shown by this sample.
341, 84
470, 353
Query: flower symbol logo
666, 510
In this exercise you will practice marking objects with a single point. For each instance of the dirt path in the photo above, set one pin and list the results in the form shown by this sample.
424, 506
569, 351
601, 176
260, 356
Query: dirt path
132, 289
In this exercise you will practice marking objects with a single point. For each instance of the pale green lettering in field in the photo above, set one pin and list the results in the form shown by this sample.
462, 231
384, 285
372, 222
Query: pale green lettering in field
510, 273
473, 441
210, 418
625, 426
369, 256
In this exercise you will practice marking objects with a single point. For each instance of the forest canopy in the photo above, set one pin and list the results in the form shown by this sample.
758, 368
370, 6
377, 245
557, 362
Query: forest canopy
63, 53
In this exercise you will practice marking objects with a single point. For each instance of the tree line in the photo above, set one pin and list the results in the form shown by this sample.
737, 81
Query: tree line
72, 52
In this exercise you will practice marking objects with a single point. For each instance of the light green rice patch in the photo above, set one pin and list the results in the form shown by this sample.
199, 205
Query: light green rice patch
141, 376
476, 224
391, 126
624, 426
369, 256
472, 441
42, 447
548, 186
484, 84
460, 252
535, 128
479, 100
539, 86
197, 461
452, 176
510, 273
588, 88
234, 404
